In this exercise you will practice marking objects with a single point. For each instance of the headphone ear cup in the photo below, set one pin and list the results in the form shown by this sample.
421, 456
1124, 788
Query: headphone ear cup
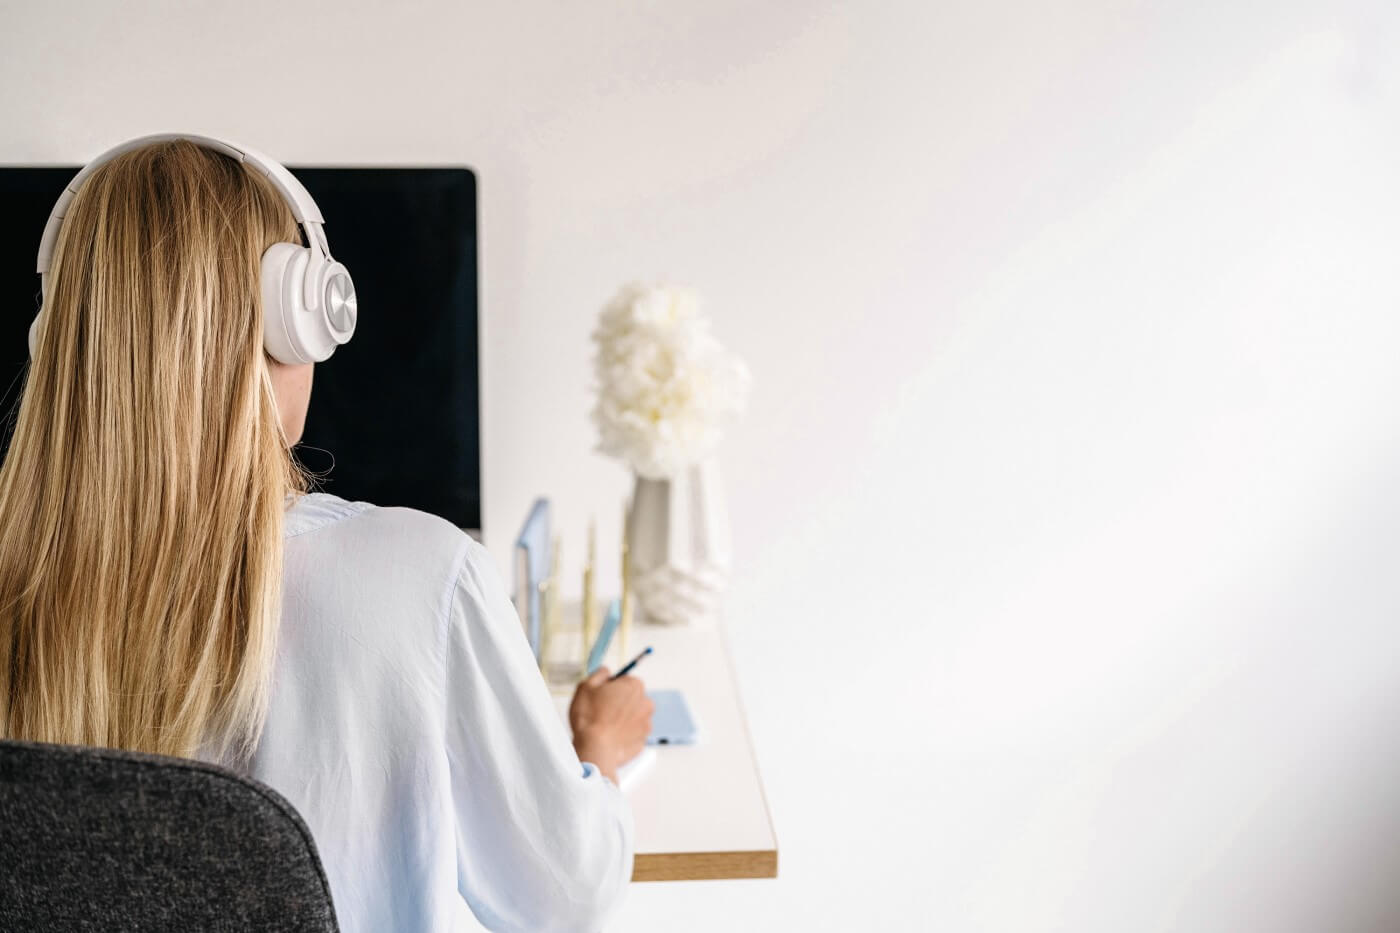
284, 310
293, 332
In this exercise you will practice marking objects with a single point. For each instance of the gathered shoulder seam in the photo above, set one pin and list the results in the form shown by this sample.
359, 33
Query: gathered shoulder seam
343, 511
445, 612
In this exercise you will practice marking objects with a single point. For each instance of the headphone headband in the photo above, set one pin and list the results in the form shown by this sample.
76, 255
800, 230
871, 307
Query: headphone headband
296, 196
309, 303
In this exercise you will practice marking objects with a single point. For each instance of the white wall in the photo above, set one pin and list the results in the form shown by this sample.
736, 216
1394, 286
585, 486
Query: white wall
1065, 511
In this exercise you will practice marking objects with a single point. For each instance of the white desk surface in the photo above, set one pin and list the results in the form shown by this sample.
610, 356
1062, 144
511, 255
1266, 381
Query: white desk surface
699, 810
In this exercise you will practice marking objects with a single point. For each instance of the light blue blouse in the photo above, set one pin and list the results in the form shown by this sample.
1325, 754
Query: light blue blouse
409, 725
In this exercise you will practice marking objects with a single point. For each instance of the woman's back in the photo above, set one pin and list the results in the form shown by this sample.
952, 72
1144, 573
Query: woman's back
408, 725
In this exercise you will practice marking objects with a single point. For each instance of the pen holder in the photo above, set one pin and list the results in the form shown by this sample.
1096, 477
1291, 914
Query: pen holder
563, 665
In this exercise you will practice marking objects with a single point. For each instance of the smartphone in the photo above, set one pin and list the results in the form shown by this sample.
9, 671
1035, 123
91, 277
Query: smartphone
671, 721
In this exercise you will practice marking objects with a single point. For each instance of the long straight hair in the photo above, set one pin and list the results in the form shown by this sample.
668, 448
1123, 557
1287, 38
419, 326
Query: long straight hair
142, 498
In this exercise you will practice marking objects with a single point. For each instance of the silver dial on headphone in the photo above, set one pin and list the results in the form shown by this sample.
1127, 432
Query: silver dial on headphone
341, 306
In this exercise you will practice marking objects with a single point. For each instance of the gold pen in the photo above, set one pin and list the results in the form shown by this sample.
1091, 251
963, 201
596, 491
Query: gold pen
549, 610
590, 609
626, 613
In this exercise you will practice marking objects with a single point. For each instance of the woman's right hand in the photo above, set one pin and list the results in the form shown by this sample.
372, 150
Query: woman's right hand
611, 720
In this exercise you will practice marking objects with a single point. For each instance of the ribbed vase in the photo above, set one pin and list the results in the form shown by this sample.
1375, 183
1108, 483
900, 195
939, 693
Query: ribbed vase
678, 533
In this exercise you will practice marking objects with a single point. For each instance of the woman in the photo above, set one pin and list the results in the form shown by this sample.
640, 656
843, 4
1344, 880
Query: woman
166, 585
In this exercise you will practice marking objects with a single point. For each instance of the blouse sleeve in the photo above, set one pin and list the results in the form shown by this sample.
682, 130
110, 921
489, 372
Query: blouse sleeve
544, 842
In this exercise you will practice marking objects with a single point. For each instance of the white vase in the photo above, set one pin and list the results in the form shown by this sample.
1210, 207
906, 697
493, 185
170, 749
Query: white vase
678, 535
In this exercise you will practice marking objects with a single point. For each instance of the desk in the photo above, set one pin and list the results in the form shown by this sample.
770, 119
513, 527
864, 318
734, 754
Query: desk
699, 810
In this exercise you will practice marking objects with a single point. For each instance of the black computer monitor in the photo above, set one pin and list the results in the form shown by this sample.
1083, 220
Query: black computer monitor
394, 416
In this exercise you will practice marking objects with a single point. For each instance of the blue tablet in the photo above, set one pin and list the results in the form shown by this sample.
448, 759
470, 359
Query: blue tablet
671, 721
532, 565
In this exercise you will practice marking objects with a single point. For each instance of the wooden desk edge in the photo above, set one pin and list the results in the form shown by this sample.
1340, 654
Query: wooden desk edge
705, 866
716, 866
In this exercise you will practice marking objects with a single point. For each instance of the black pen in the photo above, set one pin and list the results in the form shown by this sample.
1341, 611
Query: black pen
631, 664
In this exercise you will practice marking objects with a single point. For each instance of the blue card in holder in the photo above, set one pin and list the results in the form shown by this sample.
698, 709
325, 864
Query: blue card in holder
605, 636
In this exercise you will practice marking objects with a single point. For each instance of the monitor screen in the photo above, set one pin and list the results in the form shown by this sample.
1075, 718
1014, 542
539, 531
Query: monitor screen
394, 413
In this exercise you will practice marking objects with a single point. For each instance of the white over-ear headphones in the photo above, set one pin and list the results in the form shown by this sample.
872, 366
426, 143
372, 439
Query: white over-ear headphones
308, 298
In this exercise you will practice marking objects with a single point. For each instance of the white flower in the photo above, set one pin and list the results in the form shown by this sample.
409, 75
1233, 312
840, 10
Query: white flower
666, 387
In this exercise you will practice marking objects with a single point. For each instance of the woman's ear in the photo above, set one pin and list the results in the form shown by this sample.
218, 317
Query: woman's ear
291, 387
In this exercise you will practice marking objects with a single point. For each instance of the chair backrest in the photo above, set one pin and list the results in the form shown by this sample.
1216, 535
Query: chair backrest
99, 839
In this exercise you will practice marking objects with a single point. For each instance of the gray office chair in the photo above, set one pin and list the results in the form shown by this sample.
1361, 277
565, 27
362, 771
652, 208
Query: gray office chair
97, 839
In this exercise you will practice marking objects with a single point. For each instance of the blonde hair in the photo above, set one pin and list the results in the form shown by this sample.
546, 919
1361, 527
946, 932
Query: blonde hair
142, 498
